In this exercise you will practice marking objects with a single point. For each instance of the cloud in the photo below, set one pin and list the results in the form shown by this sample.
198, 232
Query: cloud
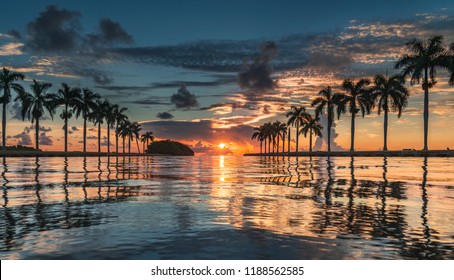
218, 81
23, 137
73, 129
44, 139
183, 98
256, 75
164, 115
54, 30
322, 142
109, 33
15, 110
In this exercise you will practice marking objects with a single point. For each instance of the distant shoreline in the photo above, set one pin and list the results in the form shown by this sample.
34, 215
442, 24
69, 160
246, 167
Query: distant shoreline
409, 153
68, 154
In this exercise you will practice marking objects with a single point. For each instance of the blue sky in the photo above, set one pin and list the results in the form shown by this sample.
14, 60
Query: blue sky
138, 54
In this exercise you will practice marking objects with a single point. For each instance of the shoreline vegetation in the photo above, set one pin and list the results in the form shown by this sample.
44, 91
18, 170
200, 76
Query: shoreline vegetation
402, 153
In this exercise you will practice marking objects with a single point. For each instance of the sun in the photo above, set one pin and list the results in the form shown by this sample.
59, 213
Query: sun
221, 145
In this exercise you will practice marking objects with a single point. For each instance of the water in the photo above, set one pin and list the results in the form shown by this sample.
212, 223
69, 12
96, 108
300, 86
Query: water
227, 208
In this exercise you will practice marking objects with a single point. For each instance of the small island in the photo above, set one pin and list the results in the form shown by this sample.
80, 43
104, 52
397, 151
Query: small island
168, 147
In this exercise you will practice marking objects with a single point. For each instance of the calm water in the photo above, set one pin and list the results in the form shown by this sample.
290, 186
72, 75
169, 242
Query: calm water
227, 208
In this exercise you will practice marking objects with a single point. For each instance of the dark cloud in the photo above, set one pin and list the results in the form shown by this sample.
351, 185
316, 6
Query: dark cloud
148, 101
256, 75
217, 82
109, 33
24, 138
15, 111
54, 30
125, 88
15, 34
73, 129
183, 98
164, 115
45, 140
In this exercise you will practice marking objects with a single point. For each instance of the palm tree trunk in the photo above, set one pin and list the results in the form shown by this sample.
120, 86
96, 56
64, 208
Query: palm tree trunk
426, 108
129, 145
352, 144
108, 138
4, 124
138, 148
310, 140
37, 134
85, 133
288, 139
385, 129
116, 138
269, 145
99, 137
66, 128
123, 145
265, 146
297, 136
261, 146
283, 143
143, 147
330, 122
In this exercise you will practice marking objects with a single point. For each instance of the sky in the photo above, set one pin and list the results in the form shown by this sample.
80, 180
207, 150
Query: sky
183, 68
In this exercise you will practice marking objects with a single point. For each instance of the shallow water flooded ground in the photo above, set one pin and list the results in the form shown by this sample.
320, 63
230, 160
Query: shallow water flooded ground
225, 207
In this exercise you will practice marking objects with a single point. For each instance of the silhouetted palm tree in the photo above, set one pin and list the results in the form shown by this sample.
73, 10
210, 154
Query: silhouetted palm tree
325, 100
120, 117
124, 130
259, 135
135, 132
279, 130
313, 127
356, 99
146, 138
268, 134
97, 117
7, 83
70, 98
109, 112
297, 117
391, 93
421, 64
35, 103
87, 106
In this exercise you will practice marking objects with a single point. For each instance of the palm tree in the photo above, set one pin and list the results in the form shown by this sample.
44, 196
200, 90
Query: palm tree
421, 64
297, 117
268, 134
280, 129
109, 115
259, 135
7, 83
135, 131
356, 99
124, 130
97, 117
313, 127
120, 117
391, 94
325, 100
34, 104
146, 138
70, 98
87, 106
